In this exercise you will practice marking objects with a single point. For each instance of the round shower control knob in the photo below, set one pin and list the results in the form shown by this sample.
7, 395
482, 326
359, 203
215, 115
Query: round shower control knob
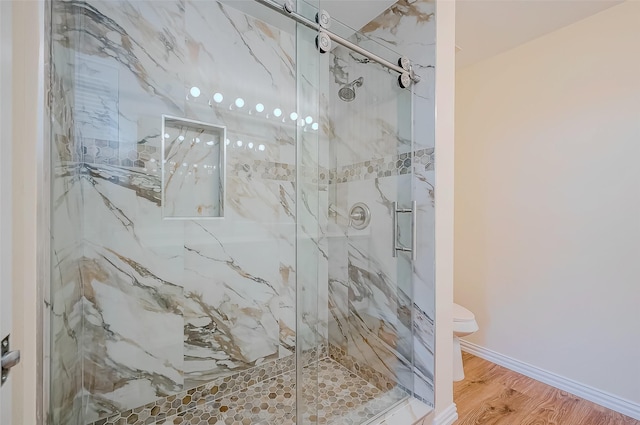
404, 80
359, 216
323, 42
324, 19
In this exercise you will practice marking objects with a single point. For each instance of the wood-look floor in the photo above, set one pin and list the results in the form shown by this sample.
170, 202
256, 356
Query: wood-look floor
493, 395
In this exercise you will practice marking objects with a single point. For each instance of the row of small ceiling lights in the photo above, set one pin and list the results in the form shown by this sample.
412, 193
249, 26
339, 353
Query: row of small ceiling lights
259, 108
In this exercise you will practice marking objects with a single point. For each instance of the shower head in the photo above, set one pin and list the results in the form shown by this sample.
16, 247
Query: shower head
348, 92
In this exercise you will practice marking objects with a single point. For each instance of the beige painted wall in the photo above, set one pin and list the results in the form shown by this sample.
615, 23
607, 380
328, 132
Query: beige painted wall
6, 227
547, 219
27, 166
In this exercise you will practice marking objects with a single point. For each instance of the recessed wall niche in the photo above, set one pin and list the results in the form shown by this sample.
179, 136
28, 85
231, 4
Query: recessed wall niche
193, 169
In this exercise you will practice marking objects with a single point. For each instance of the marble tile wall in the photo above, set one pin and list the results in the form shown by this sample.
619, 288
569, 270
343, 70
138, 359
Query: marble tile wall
144, 308
389, 166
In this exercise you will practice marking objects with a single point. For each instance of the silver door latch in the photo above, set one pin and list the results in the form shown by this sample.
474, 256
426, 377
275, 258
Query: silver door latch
8, 359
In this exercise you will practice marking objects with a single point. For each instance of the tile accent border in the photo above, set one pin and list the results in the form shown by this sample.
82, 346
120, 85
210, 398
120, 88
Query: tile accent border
265, 170
383, 167
136, 164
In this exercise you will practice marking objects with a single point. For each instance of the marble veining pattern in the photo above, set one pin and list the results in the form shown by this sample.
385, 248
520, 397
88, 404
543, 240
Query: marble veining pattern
203, 303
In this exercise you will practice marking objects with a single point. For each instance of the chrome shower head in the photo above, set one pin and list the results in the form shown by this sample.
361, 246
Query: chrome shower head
348, 92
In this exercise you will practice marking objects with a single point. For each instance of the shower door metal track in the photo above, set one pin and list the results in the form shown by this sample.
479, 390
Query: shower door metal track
287, 10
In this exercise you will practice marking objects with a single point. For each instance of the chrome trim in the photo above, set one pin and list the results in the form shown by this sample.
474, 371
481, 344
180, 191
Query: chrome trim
414, 230
394, 222
359, 216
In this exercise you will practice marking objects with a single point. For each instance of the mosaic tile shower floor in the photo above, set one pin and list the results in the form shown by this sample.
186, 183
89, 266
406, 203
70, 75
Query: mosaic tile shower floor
344, 399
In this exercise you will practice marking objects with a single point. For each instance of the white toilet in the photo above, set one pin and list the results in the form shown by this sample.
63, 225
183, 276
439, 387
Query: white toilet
464, 323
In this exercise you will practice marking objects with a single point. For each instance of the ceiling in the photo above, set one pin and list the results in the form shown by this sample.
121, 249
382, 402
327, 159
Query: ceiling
485, 28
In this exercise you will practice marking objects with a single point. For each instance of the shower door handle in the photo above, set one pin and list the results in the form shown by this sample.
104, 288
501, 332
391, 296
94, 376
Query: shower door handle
394, 222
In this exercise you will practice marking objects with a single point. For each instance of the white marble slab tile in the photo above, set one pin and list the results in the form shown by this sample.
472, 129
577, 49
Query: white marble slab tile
232, 298
262, 72
131, 333
408, 28
377, 123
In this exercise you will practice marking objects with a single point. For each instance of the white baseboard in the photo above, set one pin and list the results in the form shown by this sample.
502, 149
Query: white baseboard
447, 417
594, 395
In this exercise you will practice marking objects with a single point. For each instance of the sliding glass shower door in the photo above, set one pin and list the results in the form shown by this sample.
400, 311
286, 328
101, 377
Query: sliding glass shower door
360, 362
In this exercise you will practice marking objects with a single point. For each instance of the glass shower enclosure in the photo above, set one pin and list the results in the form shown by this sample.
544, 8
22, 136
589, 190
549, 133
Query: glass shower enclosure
242, 212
